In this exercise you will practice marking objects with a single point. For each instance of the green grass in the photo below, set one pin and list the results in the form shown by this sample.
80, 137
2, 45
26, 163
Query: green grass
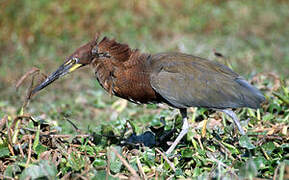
252, 34
217, 152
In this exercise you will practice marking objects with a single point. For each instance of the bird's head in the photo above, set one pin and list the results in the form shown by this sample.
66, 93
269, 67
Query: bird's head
93, 51
81, 57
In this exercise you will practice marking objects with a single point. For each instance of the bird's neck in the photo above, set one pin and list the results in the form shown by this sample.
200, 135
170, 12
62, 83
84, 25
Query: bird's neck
125, 73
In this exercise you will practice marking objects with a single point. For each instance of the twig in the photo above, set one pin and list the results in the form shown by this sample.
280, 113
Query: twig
126, 164
282, 170
171, 177
79, 176
204, 128
11, 149
224, 148
28, 94
5, 177
108, 165
156, 175
276, 172
166, 159
21, 150
67, 135
120, 176
224, 165
29, 151
269, 137
21, 80
66, 176
219, 162
3, 121
74, 126
200, 142
265, 154
86, 168
140, 168
15, 126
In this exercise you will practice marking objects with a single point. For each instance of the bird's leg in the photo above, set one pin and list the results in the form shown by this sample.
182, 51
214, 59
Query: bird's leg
235, 119
184, 131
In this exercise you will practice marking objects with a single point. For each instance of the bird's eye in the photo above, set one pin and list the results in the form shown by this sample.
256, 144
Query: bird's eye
75, 60
94, 50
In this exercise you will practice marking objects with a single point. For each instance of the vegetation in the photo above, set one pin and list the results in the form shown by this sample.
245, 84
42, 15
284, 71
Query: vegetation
41, 140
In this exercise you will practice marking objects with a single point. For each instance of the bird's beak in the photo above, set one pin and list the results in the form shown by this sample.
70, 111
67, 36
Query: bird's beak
65, 68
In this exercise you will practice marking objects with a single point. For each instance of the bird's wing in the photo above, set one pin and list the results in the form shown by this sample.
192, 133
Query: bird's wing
188, 81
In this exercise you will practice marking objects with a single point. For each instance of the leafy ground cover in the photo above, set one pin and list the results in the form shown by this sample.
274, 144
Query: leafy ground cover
36, 146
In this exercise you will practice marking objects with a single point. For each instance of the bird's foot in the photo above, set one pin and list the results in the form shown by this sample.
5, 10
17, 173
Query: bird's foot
184, 131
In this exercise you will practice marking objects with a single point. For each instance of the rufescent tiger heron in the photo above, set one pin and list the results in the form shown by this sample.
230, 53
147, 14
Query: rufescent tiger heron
177, 79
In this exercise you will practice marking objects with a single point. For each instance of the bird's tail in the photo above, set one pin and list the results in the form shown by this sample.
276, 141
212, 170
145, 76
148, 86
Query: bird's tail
252, 97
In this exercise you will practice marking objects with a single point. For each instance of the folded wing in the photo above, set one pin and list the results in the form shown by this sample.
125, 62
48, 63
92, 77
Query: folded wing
188, 81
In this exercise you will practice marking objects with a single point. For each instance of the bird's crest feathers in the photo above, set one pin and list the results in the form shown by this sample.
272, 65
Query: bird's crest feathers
121, 52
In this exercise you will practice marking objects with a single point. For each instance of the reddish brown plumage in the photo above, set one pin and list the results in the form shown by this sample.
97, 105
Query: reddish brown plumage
125, 73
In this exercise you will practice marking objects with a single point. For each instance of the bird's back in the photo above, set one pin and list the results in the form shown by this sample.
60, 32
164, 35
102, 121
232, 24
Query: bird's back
189, 81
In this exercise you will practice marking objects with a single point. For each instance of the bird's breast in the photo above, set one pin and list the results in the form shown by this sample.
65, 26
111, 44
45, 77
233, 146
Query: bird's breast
128, 82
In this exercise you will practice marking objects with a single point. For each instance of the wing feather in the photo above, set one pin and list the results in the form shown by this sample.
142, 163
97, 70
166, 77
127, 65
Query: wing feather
188, 81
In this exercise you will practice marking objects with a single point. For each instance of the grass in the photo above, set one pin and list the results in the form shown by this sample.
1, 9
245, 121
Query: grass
49, 141
252, 34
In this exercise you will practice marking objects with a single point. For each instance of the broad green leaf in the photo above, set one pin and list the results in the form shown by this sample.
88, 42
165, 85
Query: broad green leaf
76, 161
4, 151
12, 170
245, 142
99, 162
44, 169
269, 147
187, 153
40, 149
36, 139
268, 117
115, 163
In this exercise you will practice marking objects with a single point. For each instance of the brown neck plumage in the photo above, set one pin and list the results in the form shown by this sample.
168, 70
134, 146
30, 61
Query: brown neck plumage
121, 52
124, 72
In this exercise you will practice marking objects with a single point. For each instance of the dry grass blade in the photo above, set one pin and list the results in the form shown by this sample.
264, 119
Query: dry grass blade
126, 164
204, 128
167, 160
200, 141
140, 168
108, 166
21, 150
25, 76
223, 148
5, 177
11, 149
33, 72
3, 122
29, 151
74, 126
68, 135
66, 176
